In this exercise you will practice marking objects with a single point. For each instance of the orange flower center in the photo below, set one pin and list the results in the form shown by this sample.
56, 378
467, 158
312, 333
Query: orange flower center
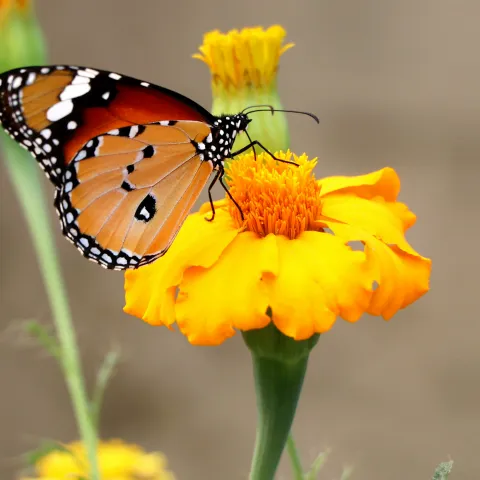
275, 197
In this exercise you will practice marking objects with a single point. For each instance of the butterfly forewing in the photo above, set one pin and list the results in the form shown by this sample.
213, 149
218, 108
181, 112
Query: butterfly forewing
122, 154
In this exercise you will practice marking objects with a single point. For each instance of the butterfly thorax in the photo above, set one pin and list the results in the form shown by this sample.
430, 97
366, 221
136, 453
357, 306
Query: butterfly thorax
218, 144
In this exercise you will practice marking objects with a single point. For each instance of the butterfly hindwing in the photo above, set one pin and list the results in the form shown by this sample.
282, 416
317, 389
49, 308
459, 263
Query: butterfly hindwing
126, 193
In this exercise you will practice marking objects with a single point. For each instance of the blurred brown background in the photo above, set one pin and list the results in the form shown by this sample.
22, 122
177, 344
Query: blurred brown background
395, 83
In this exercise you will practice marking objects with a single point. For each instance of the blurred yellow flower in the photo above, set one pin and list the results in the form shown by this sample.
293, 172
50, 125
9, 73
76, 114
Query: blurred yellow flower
290, 257
244, 66
21, 40
117, 461
248, 57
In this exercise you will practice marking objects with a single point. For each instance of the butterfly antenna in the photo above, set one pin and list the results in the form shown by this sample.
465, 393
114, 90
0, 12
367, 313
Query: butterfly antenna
286, 111
270, 107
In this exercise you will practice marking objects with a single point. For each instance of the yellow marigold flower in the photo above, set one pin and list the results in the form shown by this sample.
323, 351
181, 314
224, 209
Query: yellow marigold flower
244, 67
244, 58
290, 257
117, 461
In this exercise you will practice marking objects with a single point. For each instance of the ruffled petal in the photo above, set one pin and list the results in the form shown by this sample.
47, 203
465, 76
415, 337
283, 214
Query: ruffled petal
401, 273
382, 183
385, 221
319, 278
231, 294
150, 290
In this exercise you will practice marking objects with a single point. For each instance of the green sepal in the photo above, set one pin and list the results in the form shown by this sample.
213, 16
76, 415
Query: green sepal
270, 130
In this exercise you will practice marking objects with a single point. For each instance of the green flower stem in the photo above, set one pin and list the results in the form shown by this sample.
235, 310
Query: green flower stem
25, 177
278, 388
279, 365
294, 458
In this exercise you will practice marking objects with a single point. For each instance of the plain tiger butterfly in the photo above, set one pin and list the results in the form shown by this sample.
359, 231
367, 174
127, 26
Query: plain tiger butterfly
128, 159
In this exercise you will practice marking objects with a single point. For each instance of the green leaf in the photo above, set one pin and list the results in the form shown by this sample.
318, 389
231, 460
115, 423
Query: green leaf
317, 465
346, 474
105, 373
44, 337
443, 471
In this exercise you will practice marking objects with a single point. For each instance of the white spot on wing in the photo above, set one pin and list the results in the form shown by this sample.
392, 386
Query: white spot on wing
107, 257
106, 95
79, 80
143, 84
87, 73
74, 91
133, 131
71, 125
59, 110
81, 155
145, 213
115, 76
17, 82
46, 133
31, 78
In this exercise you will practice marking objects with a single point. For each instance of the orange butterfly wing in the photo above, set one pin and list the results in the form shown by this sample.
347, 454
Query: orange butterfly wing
127, 192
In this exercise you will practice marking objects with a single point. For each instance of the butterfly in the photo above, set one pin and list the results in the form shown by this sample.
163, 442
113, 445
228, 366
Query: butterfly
128, 159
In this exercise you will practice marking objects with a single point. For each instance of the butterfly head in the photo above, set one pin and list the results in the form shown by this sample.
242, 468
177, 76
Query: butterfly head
232, 125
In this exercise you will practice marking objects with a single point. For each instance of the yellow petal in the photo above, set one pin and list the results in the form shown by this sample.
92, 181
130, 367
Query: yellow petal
403, 278
382, 183
319, 278
378, 218
231, 294
400, 210
150, 290
401, 273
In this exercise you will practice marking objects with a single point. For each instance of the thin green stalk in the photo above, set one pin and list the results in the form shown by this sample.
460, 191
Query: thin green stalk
294, 458
279, 366
278, 386
25, 177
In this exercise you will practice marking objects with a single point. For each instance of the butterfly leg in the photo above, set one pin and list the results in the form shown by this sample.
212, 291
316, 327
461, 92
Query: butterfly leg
219, 177
231, 197
214, 181
252, 145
